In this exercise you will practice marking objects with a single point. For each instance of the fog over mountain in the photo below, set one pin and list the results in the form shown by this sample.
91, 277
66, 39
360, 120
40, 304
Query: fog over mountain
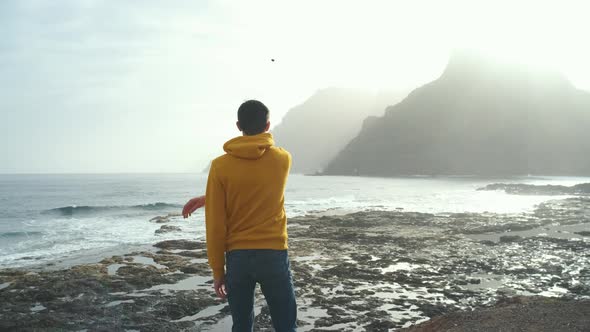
315, 131
481, 117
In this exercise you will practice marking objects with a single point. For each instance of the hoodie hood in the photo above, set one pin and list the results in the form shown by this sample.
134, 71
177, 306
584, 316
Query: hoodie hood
249, 147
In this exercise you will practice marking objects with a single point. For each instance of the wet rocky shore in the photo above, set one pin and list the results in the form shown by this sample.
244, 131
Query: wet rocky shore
529, 189
365, 271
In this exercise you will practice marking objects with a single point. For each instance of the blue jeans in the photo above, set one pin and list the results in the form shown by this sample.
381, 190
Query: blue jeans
269, 268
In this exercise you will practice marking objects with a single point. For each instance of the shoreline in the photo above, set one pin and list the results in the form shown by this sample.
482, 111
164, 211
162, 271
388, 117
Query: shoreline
88, 256
367, 270
46, 245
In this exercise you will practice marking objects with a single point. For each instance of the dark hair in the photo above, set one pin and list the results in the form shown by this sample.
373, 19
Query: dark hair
252, 117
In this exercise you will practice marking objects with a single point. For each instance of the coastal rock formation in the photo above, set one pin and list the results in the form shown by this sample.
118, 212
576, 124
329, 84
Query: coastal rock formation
529, 189
365, 271
519, 314
167, 218
315, 131
167, 229
179, 244
480, 117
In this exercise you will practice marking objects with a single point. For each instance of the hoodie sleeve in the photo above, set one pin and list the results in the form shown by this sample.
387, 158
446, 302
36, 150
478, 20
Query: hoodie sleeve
289, 161
215, 222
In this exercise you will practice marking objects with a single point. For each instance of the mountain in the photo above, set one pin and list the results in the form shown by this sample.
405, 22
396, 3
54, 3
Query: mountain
480, 117
315, 131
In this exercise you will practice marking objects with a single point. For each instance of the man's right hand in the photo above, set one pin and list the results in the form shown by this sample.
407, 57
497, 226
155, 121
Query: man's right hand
192, 205
220, 290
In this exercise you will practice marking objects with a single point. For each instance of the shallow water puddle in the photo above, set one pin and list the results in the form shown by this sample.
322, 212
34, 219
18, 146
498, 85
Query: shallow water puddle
38, 307
306, 258
190, 283
198, 260
148, 261
138, 295
113, 268
225, 323
486, 281
207, 312
116, 303
310, 315
416, 322
399, 266
554, 291
398, 313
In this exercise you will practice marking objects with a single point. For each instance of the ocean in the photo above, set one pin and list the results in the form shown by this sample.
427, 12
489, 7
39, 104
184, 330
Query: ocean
51, 218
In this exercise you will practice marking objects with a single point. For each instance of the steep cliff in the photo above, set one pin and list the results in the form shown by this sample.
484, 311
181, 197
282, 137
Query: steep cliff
315, 131
479, 118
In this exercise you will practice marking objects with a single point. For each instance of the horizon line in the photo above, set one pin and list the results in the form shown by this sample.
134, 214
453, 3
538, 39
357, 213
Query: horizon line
95, 173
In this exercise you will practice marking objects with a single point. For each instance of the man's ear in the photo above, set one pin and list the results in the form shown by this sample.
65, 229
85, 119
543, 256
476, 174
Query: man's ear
267, 126
238, 125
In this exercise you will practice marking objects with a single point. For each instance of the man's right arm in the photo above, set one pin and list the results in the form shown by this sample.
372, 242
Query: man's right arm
215, 221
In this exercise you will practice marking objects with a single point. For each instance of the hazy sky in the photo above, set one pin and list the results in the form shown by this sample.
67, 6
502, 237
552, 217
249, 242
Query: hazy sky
153, 86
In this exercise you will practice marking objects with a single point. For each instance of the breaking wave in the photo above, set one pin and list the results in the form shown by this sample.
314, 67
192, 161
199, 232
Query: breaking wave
18, 234
75, 210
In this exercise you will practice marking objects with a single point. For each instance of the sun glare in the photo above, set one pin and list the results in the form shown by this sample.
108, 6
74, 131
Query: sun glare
375, 44
547, 34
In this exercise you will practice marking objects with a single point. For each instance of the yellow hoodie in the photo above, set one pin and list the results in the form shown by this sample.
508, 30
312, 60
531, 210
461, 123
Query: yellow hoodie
244, 206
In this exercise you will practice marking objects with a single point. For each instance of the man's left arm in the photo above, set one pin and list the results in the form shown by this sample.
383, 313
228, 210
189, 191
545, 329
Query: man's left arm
191, 206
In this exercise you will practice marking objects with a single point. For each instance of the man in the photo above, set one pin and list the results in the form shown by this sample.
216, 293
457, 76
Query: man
245, 220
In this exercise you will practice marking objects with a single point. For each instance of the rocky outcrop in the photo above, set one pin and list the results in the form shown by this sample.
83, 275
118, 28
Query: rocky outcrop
529, 189
315, 131
479, 118
515, 314
167, 229
365, 271
180, 244
164, 219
